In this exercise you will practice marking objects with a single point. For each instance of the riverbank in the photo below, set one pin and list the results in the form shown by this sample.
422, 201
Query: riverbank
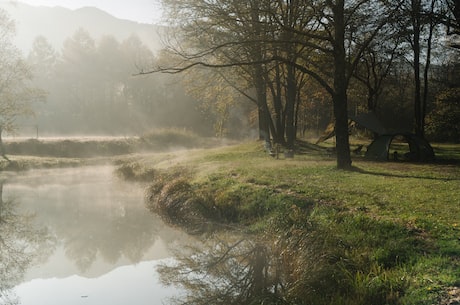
159, 140
54, 152
386, 233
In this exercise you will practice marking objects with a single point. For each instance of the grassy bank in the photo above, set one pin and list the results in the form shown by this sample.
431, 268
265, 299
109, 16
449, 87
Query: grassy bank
26, 154
386, 233
89, 147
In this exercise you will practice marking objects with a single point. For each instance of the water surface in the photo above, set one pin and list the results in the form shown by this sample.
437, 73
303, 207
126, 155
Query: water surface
84, 237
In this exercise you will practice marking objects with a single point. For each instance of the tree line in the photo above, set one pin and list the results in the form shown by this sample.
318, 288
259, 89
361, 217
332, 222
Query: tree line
87, 87
92, 88
288, 57
283, 67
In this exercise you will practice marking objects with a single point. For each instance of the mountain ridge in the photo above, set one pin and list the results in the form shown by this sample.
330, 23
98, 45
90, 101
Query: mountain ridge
57, 24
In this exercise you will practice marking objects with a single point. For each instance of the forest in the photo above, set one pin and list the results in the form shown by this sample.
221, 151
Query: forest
279, 69
92, 89
389, 57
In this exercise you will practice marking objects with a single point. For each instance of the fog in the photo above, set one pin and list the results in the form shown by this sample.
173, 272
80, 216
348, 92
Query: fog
86, 232
86, 64
61, 23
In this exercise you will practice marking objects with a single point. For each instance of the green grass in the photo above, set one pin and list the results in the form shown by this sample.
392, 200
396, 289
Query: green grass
447, 151
395, 224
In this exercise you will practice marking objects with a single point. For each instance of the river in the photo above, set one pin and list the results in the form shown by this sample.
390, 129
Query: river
80, 236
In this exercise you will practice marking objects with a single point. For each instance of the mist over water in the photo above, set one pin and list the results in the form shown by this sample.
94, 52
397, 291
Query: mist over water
101, 245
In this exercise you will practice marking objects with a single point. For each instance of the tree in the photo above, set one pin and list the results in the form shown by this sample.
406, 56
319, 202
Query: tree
78, 79
419, 20
338, 32
374, 68
315, 111
42, 58
443, 121
324, 31
452, 20
224, 34
216, 97
16, 92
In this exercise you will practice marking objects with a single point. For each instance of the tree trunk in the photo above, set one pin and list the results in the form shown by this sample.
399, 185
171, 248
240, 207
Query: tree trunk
264, 125
426, 70
417, 81
340, 89
278, 135
259, 83
371, 99
290, 106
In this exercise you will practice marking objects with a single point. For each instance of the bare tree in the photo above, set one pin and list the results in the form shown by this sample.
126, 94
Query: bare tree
418, 23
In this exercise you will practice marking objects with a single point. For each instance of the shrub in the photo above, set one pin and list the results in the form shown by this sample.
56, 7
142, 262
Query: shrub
134, 171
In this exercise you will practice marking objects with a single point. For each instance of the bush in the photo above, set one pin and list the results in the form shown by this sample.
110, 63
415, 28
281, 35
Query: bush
135, 172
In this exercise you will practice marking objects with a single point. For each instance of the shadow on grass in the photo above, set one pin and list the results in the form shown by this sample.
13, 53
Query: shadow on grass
398, 175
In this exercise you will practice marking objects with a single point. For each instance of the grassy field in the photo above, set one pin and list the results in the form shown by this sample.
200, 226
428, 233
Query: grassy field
392, 228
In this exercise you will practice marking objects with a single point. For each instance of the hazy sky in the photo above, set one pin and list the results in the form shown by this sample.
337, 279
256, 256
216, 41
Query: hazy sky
146, 11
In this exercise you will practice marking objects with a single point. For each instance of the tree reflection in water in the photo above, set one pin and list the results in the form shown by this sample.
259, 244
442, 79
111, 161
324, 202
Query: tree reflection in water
224, 269
21, 244
99, 233
99, 221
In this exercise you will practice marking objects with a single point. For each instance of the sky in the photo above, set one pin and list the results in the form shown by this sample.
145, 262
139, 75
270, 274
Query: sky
145, 11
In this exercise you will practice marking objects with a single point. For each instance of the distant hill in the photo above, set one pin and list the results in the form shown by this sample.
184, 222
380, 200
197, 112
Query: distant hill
58, 23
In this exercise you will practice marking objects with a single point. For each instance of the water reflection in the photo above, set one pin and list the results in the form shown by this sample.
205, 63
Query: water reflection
133, 284
99, 226
225, 269
21, 244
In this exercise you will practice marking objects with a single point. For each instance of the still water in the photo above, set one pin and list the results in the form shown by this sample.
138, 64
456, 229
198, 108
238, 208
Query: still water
80, 236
